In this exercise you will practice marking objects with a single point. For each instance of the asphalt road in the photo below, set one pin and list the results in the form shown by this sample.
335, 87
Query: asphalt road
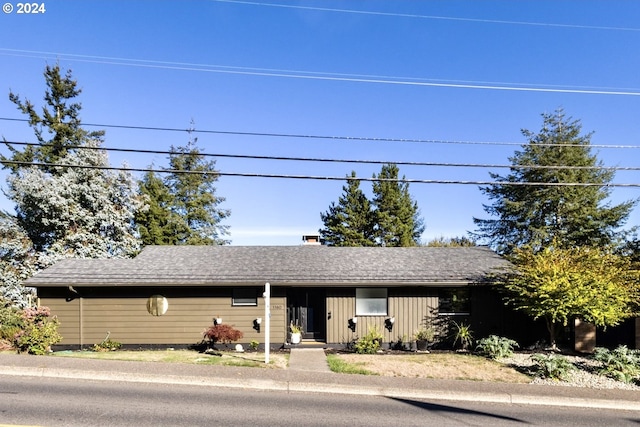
65, 402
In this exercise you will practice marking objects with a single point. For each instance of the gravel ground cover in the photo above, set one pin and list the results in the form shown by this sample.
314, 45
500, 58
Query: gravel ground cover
448, 365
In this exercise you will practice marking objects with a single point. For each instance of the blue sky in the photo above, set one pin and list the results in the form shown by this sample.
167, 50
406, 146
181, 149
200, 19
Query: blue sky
402, 70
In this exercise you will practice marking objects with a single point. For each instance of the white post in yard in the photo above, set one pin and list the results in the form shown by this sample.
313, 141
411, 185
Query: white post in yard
267, 320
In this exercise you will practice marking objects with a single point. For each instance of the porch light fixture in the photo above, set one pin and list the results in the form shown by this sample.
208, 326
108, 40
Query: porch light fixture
388, 323
352, 323
217, 320
256, 324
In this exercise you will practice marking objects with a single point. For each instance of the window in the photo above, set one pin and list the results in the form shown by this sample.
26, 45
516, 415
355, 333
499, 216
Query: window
371, 301
157, 305
245, 296
454, 302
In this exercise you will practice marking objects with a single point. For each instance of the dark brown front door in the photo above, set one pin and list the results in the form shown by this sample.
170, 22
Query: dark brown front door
307, 307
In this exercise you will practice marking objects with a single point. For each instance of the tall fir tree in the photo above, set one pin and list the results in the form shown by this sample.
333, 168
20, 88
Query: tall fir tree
184, 205
78, 211
158, 225
58, 129
350, 221
397, 217
535, 215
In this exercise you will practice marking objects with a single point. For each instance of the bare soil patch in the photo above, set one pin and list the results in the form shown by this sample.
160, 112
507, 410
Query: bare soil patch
450, 366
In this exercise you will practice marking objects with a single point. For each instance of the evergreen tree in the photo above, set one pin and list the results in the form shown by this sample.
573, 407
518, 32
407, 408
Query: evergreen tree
195, 199
81, 212
158, 225
60, 119
61, 212
18, 261
534, 215
183, 206
350, 222
396, 214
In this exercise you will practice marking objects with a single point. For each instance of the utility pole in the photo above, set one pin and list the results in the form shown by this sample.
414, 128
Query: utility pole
267, 321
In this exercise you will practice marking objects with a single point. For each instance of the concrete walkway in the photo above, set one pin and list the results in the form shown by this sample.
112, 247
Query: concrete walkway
308, 359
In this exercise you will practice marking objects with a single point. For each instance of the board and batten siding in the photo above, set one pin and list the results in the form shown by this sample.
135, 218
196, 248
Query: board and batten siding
85, 321
410, 307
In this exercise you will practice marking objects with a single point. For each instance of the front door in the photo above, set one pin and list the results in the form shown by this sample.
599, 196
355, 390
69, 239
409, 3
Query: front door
306, 307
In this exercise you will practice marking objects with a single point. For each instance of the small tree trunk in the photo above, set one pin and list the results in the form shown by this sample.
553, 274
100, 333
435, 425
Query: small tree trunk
551, 327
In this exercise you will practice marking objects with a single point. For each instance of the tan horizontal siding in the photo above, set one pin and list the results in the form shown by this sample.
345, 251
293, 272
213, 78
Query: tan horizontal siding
68, 314
128, 322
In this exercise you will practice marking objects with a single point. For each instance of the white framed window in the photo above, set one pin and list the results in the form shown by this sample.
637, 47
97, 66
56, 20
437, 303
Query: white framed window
244, 297
371, 301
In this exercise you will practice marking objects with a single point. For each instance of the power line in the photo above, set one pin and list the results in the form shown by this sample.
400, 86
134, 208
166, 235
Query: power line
329, 137
432, 17
325, 178
348, 161
313, 75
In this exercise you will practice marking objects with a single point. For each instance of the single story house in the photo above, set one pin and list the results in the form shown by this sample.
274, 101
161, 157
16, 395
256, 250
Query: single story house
168, 295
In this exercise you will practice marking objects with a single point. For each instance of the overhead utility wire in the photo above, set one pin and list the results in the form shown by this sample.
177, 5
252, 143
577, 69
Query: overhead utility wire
326, 178
353, 161
221, 69
328, 137
433, 17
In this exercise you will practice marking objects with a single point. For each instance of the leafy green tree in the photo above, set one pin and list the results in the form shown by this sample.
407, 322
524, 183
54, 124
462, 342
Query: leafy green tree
559, 284
58, 128
183, 206
534, 215
350, 221
396, 214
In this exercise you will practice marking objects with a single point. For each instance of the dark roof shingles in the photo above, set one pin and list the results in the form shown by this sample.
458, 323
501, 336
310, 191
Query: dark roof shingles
204, 265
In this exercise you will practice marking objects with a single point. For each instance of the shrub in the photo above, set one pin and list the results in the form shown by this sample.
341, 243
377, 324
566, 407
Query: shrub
40, 331
223, 333
462, 334
621, 364
495, 347
426, 333
11, 322
370, 343
551, 366
254, 345
107, 345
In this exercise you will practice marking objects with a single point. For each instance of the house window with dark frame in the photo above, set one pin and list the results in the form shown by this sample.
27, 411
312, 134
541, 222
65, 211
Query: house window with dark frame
371, 301
454, 302
244, 297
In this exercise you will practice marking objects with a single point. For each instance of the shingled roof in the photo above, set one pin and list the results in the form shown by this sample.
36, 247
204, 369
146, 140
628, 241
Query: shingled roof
279, 265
